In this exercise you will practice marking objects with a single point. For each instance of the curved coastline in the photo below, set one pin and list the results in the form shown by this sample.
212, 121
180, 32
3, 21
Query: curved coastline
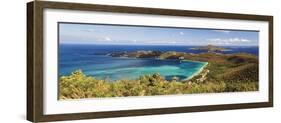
194, 61
198, 72
185, 60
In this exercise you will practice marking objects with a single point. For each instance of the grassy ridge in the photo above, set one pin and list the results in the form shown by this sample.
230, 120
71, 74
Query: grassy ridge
78, 85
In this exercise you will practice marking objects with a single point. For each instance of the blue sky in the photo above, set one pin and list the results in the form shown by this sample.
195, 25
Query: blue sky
139, 35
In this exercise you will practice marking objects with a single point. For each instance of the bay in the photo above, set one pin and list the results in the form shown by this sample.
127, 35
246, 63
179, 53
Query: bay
93, 61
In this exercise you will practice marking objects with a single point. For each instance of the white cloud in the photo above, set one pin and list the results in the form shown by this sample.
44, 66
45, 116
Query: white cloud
135, 41
87, 30
222, 31
245, 40
173, 42
107, 38
163, 42
229, 41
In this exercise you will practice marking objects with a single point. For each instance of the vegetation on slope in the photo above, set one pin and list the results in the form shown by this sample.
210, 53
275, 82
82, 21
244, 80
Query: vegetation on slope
78, 85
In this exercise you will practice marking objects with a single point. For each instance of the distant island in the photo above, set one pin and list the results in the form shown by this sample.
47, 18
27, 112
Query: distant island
165, 55
137, 54
210, 48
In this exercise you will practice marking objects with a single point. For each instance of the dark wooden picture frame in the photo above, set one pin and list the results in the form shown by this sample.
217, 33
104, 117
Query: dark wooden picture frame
35, 50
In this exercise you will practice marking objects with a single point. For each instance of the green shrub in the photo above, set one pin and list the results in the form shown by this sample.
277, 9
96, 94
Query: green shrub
78, 85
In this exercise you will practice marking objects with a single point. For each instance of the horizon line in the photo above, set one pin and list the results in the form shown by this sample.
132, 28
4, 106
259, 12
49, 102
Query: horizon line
150, 44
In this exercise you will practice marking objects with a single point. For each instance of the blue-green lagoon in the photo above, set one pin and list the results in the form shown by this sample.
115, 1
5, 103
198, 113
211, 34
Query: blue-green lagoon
131, 68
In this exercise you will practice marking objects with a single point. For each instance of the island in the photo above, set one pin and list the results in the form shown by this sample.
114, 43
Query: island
210, 48
136, 54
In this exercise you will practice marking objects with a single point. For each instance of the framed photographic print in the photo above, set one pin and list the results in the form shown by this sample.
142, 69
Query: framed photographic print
96, 61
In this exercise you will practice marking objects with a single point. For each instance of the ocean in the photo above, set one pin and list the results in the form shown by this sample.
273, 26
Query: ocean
93, 61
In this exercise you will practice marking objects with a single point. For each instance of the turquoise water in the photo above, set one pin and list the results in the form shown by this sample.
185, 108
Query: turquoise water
166, 68
114, 68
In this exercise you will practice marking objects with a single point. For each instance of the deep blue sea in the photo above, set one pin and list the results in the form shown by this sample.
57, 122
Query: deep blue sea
93, 61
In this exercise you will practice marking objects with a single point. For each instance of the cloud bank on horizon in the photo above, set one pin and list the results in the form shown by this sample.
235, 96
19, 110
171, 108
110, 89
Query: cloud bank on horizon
141, 35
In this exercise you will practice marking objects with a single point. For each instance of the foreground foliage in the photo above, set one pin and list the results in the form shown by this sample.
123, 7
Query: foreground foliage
78, 85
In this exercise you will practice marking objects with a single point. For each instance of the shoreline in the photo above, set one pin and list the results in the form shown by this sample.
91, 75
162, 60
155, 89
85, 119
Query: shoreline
197, 72
194, 61
184, 60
